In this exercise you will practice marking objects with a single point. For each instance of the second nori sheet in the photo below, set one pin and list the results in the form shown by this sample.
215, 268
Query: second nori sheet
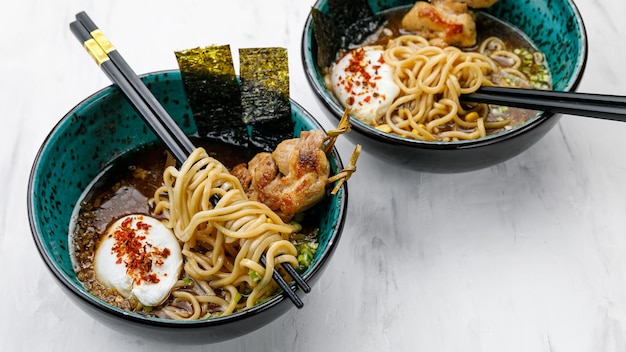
266, 108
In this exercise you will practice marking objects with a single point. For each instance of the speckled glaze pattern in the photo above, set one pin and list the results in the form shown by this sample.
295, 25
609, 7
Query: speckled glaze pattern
102, 128
554, 26
97, 131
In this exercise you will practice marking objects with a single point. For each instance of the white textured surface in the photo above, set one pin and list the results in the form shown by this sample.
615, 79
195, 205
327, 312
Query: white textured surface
529, 255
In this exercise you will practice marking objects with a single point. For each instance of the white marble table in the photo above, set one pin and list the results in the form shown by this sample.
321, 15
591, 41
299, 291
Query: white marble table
529, 255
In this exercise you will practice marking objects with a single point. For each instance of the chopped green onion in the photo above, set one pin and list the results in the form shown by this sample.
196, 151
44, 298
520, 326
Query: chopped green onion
254, 275
297, 225
305, 258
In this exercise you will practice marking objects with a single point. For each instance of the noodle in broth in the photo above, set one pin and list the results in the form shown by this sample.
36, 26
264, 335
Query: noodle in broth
221, 242
221, 232
431, 78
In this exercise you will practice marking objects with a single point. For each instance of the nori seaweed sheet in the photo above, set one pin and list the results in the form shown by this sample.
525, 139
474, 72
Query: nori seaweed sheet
326, 37
264, 75
347, 12
347, 24
358, 31
214, 93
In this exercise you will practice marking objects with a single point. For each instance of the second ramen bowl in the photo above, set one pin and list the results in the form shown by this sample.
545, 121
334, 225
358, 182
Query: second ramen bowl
555, 27
105, 127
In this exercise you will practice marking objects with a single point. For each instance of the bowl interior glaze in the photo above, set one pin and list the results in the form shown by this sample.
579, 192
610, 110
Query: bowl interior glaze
555, 27
104, 127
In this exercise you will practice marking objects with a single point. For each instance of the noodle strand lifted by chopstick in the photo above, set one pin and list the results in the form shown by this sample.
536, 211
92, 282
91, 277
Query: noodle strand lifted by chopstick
222, 243
431, 79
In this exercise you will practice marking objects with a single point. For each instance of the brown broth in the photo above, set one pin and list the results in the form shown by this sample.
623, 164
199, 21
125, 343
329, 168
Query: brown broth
125, 187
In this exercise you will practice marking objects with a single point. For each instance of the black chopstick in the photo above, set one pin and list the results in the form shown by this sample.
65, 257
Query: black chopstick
135, 81
153, 113
283, 285
296, 277
142, 100
116, 76
609, 107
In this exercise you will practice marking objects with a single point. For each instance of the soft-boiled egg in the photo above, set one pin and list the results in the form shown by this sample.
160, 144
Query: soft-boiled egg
363, 82
139, 256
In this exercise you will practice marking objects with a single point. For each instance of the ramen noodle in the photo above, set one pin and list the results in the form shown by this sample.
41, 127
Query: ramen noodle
404, 84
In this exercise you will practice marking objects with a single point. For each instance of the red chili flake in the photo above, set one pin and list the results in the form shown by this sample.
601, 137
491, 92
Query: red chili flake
138, 256
143, 226
357, 64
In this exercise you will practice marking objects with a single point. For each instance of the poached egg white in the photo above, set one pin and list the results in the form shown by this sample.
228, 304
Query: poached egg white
139, 256
363, 82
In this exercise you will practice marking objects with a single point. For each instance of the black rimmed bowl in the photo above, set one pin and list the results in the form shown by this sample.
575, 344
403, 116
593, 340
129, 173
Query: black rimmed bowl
104, 127
556, 27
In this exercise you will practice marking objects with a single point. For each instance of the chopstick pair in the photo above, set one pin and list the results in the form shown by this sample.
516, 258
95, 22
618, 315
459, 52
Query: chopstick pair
112, 63
608, 107
155, 116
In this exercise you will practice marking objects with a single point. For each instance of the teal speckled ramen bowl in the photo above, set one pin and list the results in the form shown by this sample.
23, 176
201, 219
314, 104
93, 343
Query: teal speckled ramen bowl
554, 26
103, 128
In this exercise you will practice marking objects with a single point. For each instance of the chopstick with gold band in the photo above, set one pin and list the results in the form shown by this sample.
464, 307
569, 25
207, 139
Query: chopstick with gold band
134, 80
132, 95
120, 73
116, 76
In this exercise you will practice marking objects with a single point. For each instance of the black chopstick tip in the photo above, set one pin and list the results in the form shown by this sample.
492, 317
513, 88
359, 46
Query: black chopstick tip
79, 31
297, 278
86, 21
284, 285
100, 48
